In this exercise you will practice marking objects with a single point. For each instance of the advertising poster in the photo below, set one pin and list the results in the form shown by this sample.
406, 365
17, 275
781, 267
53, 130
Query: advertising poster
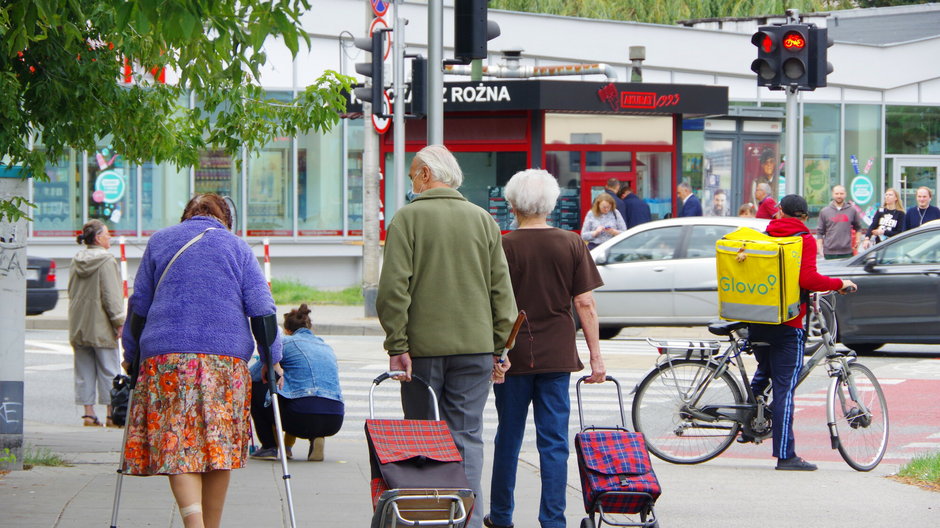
761, 164
816, 181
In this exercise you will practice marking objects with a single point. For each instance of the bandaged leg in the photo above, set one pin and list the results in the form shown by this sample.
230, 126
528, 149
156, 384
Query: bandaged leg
192, 509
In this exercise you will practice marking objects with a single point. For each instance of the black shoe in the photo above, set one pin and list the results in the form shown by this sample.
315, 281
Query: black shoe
489, 524
795, 464
745, 439
267, 453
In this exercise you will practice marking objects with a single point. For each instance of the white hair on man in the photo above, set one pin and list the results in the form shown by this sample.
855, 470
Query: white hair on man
532, 192
684, 185
764, 187
442, 164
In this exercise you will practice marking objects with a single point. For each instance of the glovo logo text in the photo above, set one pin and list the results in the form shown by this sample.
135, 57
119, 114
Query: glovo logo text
730, 284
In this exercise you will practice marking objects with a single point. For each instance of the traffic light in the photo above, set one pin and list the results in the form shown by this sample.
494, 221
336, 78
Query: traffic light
819, 65
767, 64
794, 56
419, 86
374, 69
472, 30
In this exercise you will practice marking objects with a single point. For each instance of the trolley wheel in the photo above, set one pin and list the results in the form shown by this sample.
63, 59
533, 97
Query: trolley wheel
587, 522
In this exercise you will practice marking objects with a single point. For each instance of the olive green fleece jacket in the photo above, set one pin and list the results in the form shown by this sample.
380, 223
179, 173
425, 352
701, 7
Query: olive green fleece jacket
445, 288
96, 300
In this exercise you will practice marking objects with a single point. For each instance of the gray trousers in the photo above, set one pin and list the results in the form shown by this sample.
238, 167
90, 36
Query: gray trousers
462, 384
94, 366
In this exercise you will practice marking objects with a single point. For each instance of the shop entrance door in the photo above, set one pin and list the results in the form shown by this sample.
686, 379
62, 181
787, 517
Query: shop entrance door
733, 166
593, 183
911, 173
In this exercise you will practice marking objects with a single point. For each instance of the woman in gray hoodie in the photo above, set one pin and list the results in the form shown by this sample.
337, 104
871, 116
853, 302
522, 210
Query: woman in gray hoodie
96, 314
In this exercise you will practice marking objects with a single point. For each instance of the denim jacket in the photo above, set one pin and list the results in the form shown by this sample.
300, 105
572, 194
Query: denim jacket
309, 367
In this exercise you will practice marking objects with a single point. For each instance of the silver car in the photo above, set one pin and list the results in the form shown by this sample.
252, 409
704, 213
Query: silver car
662, 273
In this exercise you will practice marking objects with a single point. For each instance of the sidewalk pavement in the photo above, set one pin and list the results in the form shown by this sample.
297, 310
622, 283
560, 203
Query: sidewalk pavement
721, 493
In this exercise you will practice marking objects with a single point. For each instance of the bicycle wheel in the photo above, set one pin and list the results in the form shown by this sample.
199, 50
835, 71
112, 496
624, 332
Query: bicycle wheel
863, 436
671, 433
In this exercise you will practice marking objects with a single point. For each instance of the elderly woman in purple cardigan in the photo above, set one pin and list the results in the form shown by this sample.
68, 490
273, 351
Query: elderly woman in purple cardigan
190, 409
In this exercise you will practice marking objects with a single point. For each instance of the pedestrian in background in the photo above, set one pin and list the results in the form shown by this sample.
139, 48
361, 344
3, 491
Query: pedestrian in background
602, 222
551, 269
779, 364
837, 222
311, 401
923, 212
96, 314
690, 204
612, 188
888, 221
638, 211
445, 301
766, 205
190, 408
747, 210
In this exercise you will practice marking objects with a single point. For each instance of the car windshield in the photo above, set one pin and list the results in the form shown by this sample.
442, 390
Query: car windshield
654, 244
922, 248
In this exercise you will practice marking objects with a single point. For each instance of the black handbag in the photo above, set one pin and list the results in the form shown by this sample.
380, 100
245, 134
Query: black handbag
120, 397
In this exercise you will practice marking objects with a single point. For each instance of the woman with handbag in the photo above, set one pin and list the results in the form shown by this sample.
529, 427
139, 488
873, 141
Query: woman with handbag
196, 287
96, 313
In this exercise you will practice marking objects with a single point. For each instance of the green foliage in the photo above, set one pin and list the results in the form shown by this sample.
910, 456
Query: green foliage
7, 456
666, 11
293, 293
60, 67
923, 467
41, 456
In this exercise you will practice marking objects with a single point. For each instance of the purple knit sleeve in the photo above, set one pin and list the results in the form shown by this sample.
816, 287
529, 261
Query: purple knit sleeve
256, 296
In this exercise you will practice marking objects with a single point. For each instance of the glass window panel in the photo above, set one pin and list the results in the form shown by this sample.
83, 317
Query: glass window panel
717, 177
607, 129
918, 249
269, 190
703, 238
483, 170
820, 152
390, 202
319, 185
913, 177
608, 161
164, 194
354, 145
112, 190
863, 170
912, 130
654, 181
566, 166
217, 173
58, 201
654, 244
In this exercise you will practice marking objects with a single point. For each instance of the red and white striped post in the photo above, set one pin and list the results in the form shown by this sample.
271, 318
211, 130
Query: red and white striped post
267, 261
122, 242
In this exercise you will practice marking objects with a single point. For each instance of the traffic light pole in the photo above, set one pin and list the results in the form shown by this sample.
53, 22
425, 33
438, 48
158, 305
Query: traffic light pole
398, 121
435, 72
792, 166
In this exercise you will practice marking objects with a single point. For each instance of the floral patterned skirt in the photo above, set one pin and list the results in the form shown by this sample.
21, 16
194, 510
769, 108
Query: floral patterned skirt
189, 414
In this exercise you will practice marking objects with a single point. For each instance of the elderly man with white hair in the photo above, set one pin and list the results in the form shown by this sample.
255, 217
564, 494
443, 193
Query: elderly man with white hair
551, 269
445, 301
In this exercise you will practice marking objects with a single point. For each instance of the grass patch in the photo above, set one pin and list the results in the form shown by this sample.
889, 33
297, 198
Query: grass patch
925, 468
292, 292
41, 456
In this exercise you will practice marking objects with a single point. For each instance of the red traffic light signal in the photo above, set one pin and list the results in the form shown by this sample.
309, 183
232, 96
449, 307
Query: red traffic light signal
766, 66
794, 41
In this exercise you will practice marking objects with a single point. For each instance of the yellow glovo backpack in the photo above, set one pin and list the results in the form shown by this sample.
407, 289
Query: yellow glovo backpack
758, 276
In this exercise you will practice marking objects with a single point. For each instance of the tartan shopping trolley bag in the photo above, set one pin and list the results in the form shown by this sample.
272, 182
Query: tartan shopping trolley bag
417, 473
616, 474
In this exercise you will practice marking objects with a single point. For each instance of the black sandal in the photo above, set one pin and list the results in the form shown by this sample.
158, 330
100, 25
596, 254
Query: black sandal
94, 421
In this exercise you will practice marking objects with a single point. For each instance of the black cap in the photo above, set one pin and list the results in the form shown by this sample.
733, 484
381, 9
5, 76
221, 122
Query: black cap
794, 205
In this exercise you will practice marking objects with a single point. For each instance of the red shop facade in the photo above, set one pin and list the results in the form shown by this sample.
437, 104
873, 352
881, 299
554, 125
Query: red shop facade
583, 133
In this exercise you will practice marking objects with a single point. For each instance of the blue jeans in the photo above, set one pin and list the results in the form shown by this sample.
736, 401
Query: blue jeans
551, 406
780, 366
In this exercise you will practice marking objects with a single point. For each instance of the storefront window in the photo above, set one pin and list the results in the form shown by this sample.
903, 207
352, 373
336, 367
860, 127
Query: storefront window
717, 178
862, 155
484, 170
320, 183
164, 194
389, 185
820, 152
269, 190
561, 129
112, 190
58, 201
216, 173
654, 181
912, 130
354, 146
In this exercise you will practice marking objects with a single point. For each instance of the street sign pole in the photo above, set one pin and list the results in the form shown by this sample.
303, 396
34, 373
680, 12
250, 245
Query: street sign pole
435, 72
793, 166
398, 69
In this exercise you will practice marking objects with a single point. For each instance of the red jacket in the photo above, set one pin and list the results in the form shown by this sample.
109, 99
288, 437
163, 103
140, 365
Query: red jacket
810, 279
767, 208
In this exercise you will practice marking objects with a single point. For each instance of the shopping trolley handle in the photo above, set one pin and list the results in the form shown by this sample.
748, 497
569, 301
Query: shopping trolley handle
623, 413
390, 374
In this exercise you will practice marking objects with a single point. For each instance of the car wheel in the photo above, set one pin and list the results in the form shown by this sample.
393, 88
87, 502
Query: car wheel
864, 348
609, 332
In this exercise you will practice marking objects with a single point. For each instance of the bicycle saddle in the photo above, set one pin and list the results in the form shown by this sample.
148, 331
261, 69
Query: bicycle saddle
724, 328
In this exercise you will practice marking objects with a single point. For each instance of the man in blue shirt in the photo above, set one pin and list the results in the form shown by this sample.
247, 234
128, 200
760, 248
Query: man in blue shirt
691, 206
638, 211
612, 188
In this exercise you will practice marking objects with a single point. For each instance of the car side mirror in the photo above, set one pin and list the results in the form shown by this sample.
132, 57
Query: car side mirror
870, 264
601, 259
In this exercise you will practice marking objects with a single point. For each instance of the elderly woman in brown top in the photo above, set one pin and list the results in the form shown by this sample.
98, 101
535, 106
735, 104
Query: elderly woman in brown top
96, 314
550, 268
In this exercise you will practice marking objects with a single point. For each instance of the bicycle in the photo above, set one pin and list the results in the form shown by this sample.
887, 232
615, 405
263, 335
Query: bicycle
690, 406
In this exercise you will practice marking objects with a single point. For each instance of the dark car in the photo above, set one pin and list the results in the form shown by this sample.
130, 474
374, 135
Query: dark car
41, 294
898, 297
